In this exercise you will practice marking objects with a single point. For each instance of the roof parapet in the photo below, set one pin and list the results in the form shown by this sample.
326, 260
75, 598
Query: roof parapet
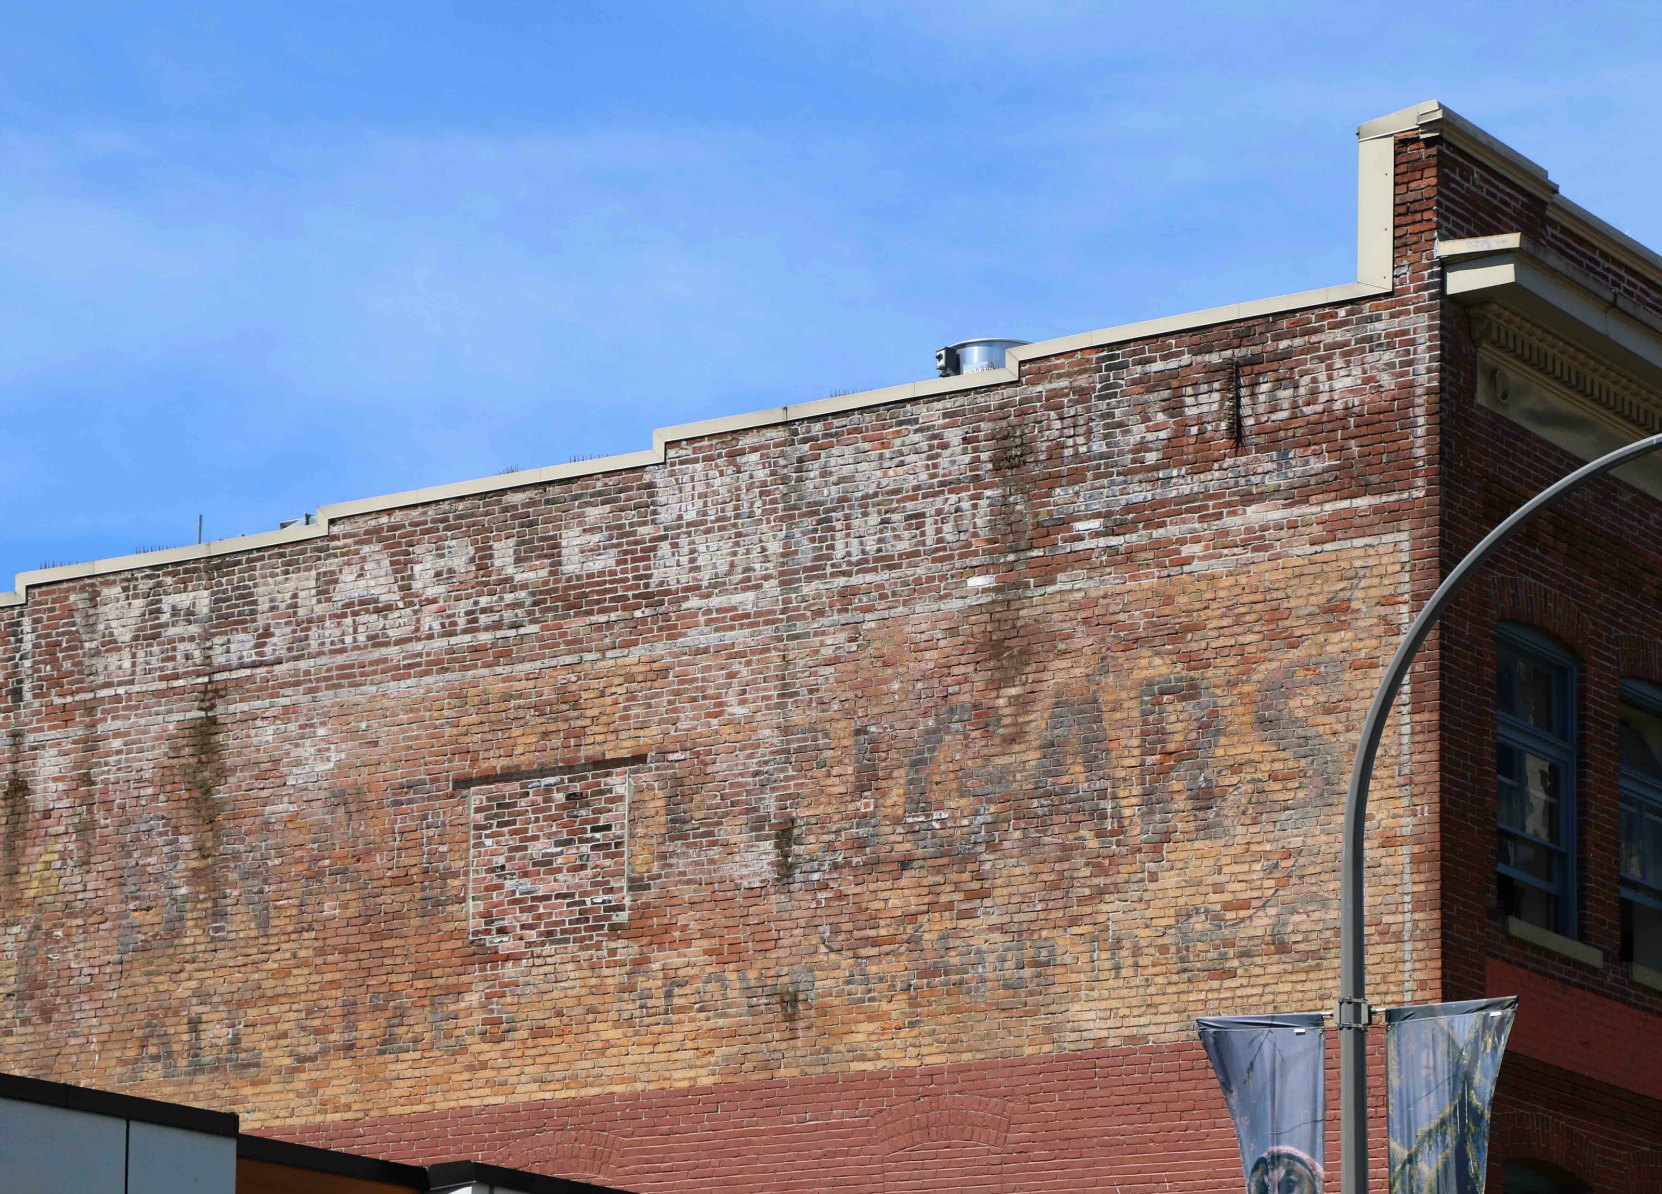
1434, 119
1374, 267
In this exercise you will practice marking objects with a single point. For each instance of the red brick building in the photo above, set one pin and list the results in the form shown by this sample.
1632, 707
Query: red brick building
868, 794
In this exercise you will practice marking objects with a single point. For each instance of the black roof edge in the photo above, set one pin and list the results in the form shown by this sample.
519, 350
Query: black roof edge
120, 1106
448, 1175
328, 1160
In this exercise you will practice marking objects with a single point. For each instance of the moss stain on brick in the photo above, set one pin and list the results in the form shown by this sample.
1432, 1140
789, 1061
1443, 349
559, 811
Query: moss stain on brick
14, 816
204, 765
86, 819
790, 1004
202, 773
784, 848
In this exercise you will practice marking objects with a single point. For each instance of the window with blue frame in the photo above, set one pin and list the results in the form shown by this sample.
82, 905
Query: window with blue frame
1640, 756
1535, 769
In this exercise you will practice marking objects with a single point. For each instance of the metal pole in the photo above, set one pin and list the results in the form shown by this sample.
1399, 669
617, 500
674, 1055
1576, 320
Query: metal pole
1353, 1013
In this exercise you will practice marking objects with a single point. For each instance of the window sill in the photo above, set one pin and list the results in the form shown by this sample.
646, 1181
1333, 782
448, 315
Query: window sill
1646, 977
1574, 950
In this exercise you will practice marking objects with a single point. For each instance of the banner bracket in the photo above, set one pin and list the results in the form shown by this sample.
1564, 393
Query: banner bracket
1354, 1011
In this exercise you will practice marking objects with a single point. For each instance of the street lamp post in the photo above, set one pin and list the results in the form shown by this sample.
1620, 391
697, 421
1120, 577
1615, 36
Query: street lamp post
1353, 1012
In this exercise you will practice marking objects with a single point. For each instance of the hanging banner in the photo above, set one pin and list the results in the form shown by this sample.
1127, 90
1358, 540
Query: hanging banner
1270, 1069
1441, 1062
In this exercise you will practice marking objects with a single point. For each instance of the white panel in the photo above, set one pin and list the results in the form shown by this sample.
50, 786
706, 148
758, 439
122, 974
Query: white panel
173, 1161
1375, 211
51, 1150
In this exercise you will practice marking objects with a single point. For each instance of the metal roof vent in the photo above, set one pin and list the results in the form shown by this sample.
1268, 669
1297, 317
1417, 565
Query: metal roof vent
973, 356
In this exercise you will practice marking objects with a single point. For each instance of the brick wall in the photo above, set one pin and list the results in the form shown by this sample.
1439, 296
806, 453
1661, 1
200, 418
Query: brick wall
1130, 1118
1124, 1119
709, 807
1579, 1090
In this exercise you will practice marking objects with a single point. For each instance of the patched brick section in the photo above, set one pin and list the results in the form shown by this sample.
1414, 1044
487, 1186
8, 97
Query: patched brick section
547, 857
955, 1164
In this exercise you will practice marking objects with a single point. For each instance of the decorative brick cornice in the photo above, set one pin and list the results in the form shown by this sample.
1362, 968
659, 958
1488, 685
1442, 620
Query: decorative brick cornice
1645, 1170
1555, 361
1534, 1136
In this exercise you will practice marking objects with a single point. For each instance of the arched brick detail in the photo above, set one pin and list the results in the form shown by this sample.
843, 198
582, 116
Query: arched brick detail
969, 1118
942, 1142
564, 1153
1533, 1136
1638, 657
1644, 1171
1518, 599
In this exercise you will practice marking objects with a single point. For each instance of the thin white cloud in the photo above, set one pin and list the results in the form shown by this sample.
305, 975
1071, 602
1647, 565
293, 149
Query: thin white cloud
251, 320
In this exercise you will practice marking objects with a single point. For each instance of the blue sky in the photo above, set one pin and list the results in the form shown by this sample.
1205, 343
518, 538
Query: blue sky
254, 258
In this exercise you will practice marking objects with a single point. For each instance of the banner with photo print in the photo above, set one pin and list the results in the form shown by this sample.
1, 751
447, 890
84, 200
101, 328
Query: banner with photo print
1441, 1063
1271, 1072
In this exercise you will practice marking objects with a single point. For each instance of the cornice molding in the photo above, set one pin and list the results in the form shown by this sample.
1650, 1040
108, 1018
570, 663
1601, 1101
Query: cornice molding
1554, 361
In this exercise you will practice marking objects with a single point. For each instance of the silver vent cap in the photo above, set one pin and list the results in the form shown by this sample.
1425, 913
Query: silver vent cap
973, 356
